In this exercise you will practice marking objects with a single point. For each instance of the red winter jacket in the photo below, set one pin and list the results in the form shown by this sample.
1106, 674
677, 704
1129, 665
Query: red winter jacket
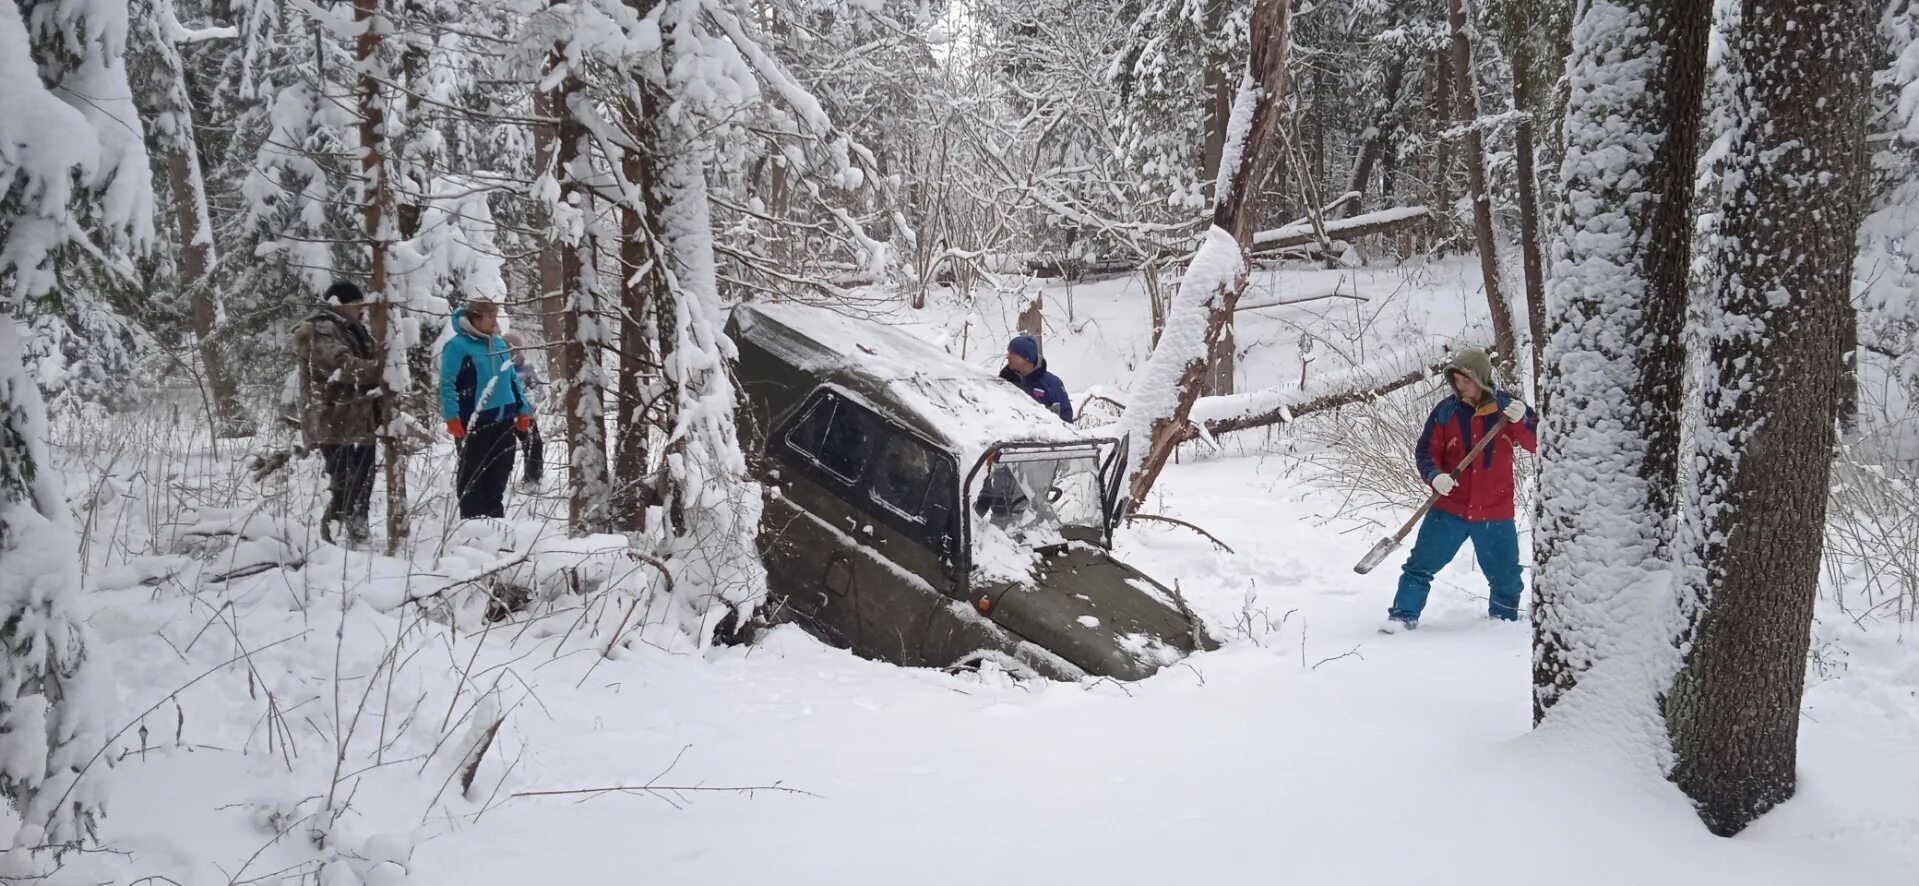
1485, 490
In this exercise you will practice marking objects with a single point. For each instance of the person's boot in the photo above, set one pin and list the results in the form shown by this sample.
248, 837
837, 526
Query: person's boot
1399, 624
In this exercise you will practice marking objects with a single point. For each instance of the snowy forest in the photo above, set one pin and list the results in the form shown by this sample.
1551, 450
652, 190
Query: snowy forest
738, 441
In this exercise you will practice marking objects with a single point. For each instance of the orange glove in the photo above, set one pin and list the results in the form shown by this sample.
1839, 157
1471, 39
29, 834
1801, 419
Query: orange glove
456, 428
524, 423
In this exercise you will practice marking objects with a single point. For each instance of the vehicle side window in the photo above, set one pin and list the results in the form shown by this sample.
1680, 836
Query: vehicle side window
905, 475
916, 484
834, 434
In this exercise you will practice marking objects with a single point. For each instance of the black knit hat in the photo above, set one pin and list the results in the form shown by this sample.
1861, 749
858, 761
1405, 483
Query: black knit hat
344, 293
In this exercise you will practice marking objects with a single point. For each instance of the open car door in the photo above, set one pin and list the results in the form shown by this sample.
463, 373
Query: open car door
1112, 478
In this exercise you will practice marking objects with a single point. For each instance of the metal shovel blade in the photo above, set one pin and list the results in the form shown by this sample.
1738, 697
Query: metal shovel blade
1376, 556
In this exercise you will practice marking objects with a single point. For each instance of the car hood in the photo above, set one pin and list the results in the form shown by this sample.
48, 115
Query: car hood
1098, 613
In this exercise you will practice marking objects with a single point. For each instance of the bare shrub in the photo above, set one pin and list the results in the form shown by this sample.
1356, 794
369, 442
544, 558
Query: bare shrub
1872, 521
1872, 540
1364, 453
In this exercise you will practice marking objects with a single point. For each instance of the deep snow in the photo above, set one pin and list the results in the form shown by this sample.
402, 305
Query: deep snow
1310, 750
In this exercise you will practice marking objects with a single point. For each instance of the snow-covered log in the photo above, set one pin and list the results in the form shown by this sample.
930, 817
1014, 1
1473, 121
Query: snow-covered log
1302, 233
1400, 368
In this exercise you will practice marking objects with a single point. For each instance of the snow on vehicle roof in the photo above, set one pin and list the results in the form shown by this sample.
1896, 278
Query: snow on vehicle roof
951, 400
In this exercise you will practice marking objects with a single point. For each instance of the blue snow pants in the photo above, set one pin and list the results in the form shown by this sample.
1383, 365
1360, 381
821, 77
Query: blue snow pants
1495, 543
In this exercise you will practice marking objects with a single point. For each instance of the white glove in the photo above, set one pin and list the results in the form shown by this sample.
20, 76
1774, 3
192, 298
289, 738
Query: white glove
1515, 411
1444, 484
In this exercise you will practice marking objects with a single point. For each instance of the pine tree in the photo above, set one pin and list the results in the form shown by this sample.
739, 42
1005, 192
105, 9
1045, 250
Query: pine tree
49, 727
173, 140
285, 91
85, 339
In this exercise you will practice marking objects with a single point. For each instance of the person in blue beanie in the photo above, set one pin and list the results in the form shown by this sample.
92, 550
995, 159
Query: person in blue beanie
484, 403
1027, 369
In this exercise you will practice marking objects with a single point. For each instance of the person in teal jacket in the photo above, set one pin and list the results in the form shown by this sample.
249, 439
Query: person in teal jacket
484, 403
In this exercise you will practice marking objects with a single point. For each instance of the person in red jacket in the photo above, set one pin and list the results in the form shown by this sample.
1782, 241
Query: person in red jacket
1479, 504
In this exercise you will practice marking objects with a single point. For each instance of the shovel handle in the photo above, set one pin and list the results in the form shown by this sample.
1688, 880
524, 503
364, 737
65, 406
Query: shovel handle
1471, 455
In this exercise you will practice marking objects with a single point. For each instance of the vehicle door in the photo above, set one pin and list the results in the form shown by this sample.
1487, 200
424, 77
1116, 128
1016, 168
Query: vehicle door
819, 459
911, 497
1112, 479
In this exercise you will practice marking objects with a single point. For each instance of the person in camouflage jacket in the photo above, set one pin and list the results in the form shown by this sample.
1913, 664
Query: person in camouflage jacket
339, 378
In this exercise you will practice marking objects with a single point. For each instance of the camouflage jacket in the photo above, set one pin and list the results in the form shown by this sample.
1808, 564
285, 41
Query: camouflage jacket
339, 379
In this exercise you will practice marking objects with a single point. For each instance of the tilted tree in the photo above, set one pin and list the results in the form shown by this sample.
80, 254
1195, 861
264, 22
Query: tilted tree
1166, 386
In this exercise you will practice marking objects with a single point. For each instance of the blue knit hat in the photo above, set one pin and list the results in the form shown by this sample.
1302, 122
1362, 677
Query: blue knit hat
1026, 346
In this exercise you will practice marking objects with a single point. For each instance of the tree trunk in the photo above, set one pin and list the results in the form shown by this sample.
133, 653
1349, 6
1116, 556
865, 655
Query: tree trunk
196, 248
1441, 184
379, 206
174, 135
1609, 478
1382, 130
583, 335
1529, 223
1792, 203
1315, 138
1217, 76
550, 301
1165, 388
1218, 380
1155, 298
643, 287
1505, 343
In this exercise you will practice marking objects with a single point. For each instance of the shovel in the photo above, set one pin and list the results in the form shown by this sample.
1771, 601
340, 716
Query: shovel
1388, 544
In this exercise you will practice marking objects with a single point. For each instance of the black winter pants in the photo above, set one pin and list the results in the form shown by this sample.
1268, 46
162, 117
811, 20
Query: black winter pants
535, 454
349, 469
486, 463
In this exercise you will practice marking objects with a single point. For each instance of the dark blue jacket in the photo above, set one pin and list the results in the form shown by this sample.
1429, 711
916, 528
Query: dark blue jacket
1045, 388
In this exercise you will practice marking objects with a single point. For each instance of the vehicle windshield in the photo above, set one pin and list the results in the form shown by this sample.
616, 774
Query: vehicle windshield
1042, 495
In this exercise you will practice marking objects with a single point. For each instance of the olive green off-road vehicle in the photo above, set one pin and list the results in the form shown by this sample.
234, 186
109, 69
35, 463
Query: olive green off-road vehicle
921, 511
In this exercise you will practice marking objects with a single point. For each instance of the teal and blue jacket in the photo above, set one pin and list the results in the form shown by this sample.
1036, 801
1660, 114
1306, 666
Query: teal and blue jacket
477, 378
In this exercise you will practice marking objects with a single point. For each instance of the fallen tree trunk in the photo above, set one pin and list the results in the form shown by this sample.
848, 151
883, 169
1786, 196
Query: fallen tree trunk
1299, 234
1058, 267
1213, 416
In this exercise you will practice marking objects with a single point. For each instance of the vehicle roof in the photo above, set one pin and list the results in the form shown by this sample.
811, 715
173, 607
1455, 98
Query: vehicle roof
915, 383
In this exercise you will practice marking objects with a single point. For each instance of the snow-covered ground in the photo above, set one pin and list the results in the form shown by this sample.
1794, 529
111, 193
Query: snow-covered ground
1310, 749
